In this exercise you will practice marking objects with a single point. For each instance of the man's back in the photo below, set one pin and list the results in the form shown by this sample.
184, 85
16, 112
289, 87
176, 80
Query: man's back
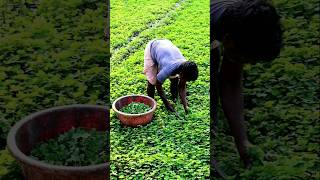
164, 52
167, 57
217, 8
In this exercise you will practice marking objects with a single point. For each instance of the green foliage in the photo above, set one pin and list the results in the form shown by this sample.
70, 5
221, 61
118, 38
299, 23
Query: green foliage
293, 167
51, 53
77, 147
172, 146
135, 108
9, 169
127, 21
282, 104
5, 159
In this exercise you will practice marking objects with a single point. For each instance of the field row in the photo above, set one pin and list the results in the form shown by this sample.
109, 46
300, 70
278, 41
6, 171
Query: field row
129, 18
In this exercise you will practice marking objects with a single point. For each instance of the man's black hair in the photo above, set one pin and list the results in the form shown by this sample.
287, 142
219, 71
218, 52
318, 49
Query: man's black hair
254, 26
189, 70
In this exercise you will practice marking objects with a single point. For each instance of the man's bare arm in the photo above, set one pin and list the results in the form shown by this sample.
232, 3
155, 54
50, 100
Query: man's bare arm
183, 94
163, 96
232, 104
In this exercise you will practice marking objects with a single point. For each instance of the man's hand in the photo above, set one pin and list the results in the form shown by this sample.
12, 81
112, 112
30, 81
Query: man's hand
169, 107
163, 97
186, 110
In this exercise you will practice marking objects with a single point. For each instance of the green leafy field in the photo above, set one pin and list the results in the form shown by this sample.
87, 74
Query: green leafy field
54, 54
282, 103
51, 53
170, 147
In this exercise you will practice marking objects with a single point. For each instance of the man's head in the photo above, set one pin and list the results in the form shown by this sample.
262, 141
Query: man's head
189, 71
251, 29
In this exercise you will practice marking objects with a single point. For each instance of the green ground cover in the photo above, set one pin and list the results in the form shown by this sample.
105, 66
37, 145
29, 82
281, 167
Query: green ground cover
282, 104
76, 147
129, 18
51, 54
62, 43
169, 147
